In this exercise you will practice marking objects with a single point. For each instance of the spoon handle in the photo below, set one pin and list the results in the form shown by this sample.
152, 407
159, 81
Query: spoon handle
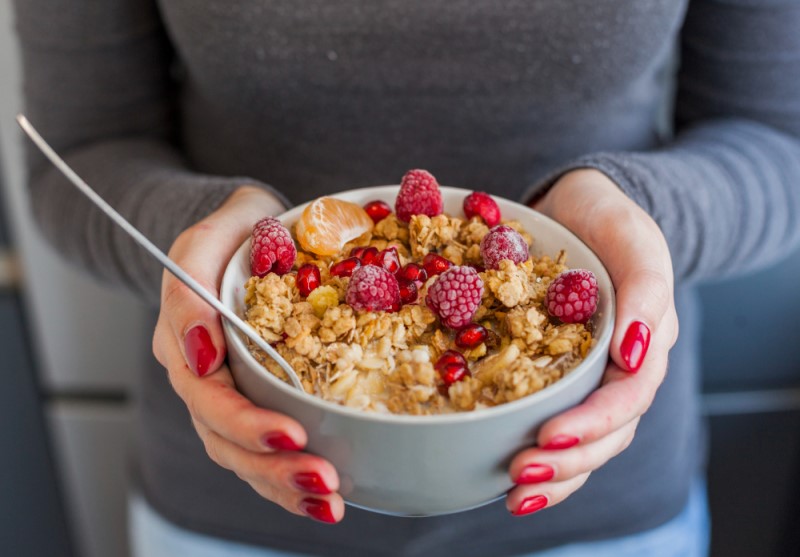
142, 240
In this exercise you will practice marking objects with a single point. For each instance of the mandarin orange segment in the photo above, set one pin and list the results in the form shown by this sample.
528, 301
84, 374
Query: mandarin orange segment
327, 224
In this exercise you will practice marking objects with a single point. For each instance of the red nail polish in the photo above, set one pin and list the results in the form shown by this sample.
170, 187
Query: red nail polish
318, 509
311, 482
280, 442
535, 473
531, 505
199, 349
560, 442
634, 345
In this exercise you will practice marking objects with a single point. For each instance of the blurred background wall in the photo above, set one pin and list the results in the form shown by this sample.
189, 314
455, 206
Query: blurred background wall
69, 382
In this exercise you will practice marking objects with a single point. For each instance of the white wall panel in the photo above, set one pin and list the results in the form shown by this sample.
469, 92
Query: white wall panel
91, 442
79, 339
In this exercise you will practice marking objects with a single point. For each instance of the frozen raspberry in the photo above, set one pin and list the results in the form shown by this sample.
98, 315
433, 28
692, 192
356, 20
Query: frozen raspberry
482, 205
503, 242
455, 296
572, 296
271, 249
419, 195
373, 288
378, 210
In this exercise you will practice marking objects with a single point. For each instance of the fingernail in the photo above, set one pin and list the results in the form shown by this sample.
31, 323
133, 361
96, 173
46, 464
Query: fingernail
531, 505
318, 509
279, 441
560, 442
634, 345
199, 350
311, 482
535, 473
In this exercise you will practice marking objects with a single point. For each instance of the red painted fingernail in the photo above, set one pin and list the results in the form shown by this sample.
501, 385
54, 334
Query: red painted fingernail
280, 442
318, 509
531, 505
560, 442
311, 482
634, 345
199, 350
535, 473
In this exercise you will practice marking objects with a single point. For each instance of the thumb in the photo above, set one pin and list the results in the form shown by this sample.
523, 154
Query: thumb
643, 299
204, 251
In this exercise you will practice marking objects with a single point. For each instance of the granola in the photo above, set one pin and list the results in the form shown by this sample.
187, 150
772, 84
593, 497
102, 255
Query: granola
388, 361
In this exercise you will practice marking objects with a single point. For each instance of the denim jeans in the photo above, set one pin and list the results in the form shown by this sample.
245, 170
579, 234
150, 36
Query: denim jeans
686, 535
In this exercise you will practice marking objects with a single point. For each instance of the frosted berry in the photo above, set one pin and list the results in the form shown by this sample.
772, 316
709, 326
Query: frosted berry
378, 210
455, 296
572, 296
345, 267
271, 248
373, 288
419, 195
308, 279
411, 272
503, 242
479, 204
471, 336
388, 259
408, 292
435, 264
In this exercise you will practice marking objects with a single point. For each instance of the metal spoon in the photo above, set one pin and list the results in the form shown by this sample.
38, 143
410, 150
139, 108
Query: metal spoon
170, 265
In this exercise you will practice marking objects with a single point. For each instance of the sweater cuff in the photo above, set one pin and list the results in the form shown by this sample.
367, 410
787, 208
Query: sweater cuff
617, 166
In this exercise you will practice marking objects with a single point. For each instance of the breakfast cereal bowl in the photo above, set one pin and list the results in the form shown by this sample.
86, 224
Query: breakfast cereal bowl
424, 465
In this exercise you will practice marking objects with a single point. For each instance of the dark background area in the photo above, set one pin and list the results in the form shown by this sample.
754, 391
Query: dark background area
32, 521
751, 358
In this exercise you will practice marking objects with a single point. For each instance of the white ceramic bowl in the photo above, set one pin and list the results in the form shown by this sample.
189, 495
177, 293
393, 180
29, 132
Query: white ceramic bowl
425, 465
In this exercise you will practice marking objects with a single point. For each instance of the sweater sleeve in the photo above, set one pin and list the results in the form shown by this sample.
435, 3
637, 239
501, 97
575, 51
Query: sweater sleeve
726, 190
98, 87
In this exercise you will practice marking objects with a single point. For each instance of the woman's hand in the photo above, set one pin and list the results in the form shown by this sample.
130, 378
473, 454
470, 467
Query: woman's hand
261, 447
630, 244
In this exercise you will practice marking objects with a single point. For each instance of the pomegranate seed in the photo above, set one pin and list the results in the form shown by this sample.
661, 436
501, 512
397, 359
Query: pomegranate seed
345, 267
388, 259
377, 210
452, 373
412, 272
357, 251
435, 264
471, 336
307, 278
284, 336
450, 357
366, 254
408, 292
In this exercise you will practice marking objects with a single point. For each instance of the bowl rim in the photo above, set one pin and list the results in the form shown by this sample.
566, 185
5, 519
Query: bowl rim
600, 350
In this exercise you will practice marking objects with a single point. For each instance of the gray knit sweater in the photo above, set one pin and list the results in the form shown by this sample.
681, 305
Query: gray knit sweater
167, 106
